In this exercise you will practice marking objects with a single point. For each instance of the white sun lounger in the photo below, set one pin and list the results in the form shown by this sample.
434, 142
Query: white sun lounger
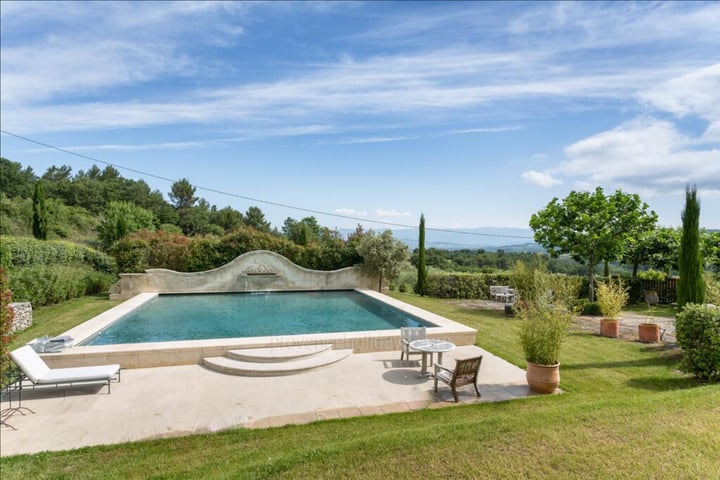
38, 372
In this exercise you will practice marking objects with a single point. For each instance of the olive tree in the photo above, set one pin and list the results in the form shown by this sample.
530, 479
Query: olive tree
591, 227
382, 255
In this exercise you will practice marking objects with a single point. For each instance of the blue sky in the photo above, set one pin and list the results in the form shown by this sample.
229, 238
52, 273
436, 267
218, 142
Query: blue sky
476, 114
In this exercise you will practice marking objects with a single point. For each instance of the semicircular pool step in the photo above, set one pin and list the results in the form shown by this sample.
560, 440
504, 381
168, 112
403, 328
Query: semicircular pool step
276, 361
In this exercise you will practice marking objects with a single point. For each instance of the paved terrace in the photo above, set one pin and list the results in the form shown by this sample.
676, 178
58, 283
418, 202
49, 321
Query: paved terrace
180, 400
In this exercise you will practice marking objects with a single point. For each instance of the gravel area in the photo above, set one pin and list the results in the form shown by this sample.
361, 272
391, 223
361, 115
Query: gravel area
628, 321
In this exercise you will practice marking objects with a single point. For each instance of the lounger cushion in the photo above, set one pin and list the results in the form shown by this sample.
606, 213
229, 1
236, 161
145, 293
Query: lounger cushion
29, 362
79, 374
38, 372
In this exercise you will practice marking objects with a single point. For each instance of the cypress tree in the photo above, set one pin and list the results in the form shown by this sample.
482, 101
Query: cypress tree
421, 285
40, 214
691, 285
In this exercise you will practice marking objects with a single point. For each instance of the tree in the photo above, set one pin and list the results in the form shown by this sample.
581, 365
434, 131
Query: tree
382, 255
591, 227
657, 249
14, 181
121, 219
421, 285
228, 218
182, 194
40, 212
303, 232
254, 217
691, 285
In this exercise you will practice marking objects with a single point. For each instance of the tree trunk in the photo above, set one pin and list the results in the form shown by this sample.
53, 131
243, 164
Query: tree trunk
591, 277
380, 284
635, 270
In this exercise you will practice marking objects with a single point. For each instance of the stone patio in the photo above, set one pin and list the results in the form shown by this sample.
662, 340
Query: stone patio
181, 400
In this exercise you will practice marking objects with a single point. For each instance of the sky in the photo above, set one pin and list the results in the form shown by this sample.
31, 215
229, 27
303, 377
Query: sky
475, 114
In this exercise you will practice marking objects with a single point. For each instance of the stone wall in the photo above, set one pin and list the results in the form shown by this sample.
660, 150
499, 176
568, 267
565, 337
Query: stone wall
23, 316
260, 270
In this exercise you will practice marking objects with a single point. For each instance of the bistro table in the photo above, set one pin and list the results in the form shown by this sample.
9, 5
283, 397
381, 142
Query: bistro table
430, 346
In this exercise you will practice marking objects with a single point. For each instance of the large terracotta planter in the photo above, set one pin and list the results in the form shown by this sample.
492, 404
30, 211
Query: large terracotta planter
609, 328
543, 378
649, 332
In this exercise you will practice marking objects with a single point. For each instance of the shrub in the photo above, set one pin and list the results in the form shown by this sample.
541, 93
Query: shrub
463, 285
698, 333
652, 275
612, 297
591, 308
6, 324
712, 289
543, 328
27, 252
46, 285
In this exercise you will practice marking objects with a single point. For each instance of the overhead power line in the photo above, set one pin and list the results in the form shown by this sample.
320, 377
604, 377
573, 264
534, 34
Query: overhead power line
243, 197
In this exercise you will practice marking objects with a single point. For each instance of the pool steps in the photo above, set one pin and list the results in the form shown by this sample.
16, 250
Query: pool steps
275, 361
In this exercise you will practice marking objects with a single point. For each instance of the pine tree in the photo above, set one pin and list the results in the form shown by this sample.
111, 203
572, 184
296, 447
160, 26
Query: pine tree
40, 214
421, 285
691, 285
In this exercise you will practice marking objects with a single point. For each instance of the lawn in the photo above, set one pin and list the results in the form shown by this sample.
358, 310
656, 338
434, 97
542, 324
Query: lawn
627, 413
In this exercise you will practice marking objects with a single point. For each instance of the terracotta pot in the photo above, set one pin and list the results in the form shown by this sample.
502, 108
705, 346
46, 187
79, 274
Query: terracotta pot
609, 328
649, 332
543, 378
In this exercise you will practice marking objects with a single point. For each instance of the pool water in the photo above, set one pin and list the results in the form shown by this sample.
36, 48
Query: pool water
233, 315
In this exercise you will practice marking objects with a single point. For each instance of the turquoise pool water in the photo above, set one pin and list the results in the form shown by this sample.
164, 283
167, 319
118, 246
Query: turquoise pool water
204, 316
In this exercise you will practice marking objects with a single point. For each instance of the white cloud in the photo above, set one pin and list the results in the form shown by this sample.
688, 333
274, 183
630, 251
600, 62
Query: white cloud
646, 155
351, 212
390, 213
375, 140
486, 130
541, 179
696, 93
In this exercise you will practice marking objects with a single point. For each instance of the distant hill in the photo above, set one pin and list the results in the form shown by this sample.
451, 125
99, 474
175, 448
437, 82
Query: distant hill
487, 238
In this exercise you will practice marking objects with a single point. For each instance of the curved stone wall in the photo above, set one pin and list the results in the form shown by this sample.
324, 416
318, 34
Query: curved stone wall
260, 270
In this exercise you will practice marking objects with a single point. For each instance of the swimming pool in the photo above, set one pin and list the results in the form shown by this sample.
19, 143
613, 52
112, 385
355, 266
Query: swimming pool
238, 315
187, 352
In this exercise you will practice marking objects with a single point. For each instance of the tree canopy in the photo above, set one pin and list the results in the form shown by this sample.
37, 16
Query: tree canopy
383, 255
591, 227
691, 285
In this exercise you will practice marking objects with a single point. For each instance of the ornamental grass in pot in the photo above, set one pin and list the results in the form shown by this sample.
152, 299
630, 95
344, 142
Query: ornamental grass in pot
612, 297
543, 329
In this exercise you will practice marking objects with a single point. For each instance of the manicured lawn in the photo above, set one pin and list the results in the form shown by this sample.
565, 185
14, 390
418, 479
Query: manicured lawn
56, 319
654, 311
626, 413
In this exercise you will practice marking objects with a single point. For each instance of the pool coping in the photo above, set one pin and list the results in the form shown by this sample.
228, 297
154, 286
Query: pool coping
188, 352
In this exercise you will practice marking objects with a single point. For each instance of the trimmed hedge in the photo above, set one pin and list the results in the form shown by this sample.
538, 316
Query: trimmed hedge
27, 252
46, 285
464, 285
698, 333
159, 249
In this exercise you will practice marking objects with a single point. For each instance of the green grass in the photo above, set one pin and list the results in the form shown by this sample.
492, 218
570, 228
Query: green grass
627, 413
56, 319
655, 311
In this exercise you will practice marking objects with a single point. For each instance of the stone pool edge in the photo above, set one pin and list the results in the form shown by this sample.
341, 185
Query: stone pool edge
189, 352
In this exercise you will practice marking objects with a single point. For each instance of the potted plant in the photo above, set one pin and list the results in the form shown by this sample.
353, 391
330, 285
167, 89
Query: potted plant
612, 297
543, 328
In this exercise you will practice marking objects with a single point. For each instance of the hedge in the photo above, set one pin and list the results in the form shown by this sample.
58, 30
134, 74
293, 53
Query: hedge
464, 285
18, 252
46, 285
